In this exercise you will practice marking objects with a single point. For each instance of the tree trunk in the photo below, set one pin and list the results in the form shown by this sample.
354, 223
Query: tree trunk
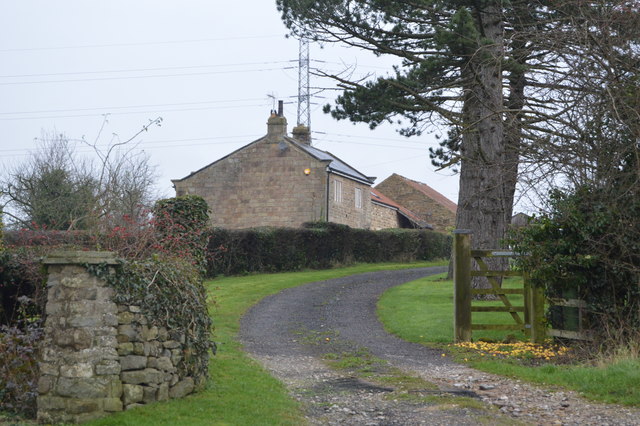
482, 200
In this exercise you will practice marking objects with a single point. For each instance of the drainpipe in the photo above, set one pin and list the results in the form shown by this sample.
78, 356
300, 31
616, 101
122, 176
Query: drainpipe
327, 210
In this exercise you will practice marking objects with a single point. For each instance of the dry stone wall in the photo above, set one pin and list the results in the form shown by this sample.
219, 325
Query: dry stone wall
99, 357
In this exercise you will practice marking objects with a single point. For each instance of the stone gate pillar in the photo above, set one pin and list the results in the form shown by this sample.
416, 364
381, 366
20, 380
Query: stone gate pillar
79, 366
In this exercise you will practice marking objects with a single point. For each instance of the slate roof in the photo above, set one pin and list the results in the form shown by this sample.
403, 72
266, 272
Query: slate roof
335, 164
380, 198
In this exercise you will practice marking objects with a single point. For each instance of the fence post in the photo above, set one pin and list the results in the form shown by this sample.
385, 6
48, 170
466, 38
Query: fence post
535, 305
462, 285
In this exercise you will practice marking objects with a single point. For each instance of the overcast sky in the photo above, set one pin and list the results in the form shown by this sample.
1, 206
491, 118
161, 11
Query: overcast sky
208, 68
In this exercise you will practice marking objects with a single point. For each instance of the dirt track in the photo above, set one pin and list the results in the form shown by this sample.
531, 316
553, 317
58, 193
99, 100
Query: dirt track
292, 334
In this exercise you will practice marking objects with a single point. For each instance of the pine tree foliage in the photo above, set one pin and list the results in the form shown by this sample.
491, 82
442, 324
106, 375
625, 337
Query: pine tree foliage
505, 77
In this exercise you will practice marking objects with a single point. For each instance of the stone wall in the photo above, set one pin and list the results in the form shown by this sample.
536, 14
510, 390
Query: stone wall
99, 357
383, 217
345, 211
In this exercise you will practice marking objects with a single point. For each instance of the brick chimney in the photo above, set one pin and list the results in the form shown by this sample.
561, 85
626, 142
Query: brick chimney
277, 125
302, 134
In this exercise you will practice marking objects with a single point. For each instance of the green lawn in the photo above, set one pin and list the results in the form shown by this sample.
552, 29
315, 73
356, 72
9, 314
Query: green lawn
240, 392
422, 312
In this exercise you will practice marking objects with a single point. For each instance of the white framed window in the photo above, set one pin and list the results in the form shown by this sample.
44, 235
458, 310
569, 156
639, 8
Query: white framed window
337, 191
358, 198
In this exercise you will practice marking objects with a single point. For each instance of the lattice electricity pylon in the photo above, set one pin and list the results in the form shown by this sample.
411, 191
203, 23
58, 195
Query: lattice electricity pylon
304, 98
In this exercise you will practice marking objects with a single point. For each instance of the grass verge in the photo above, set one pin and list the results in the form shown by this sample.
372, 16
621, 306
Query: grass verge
422, 312
240, 392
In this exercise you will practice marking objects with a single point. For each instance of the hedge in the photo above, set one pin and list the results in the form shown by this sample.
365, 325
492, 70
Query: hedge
317, 246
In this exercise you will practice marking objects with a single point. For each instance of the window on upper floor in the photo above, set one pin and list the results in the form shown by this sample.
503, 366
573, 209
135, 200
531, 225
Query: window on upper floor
358, 198
337, 191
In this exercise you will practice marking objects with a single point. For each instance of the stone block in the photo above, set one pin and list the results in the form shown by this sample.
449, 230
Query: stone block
125, 317
138, 348
128, 330
182, 388
79, 406
150, 394
112, 404
47, 403
163, 392
115, 387
63, 338
82, 339
106, 341
149, 333
176, 356
123, 338
132, 406
147, 376
162, 363
110, 319
108, 367
85, 320
81, 387
45, 384
174, 379
132, 394
89, 293
133, 362
125, 348
153, 349
134, 309
171, 344
54, 308
77, 370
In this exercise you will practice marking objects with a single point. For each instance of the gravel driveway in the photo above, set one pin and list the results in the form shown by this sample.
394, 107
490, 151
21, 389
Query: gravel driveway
293, 332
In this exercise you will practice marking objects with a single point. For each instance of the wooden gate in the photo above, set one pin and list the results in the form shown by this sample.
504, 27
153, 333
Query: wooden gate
528, 318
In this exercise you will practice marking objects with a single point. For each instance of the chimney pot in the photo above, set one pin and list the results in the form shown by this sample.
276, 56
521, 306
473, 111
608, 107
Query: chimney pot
302, 134
276, 127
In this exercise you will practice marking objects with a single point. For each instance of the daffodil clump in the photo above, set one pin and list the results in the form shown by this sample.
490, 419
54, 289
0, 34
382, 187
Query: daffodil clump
520, 350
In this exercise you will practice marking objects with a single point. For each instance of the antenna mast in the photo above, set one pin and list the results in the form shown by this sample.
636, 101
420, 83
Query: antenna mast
304, 98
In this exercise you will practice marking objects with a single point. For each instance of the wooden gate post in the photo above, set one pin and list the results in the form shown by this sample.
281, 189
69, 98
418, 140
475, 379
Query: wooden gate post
462, 285
536, 308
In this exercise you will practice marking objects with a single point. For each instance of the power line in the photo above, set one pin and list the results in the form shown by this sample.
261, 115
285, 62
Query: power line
131, 106
371, 137
145, 69
370, 144
131, 112
144, 76
147, 43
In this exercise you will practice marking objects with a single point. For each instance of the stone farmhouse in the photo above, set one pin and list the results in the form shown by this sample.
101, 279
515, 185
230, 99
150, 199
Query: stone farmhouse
425, 202
283, 181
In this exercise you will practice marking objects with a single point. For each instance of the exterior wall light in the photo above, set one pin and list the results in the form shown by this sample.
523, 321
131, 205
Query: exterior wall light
307, 172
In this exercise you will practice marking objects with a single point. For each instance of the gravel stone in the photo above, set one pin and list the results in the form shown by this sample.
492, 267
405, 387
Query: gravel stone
289, 333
